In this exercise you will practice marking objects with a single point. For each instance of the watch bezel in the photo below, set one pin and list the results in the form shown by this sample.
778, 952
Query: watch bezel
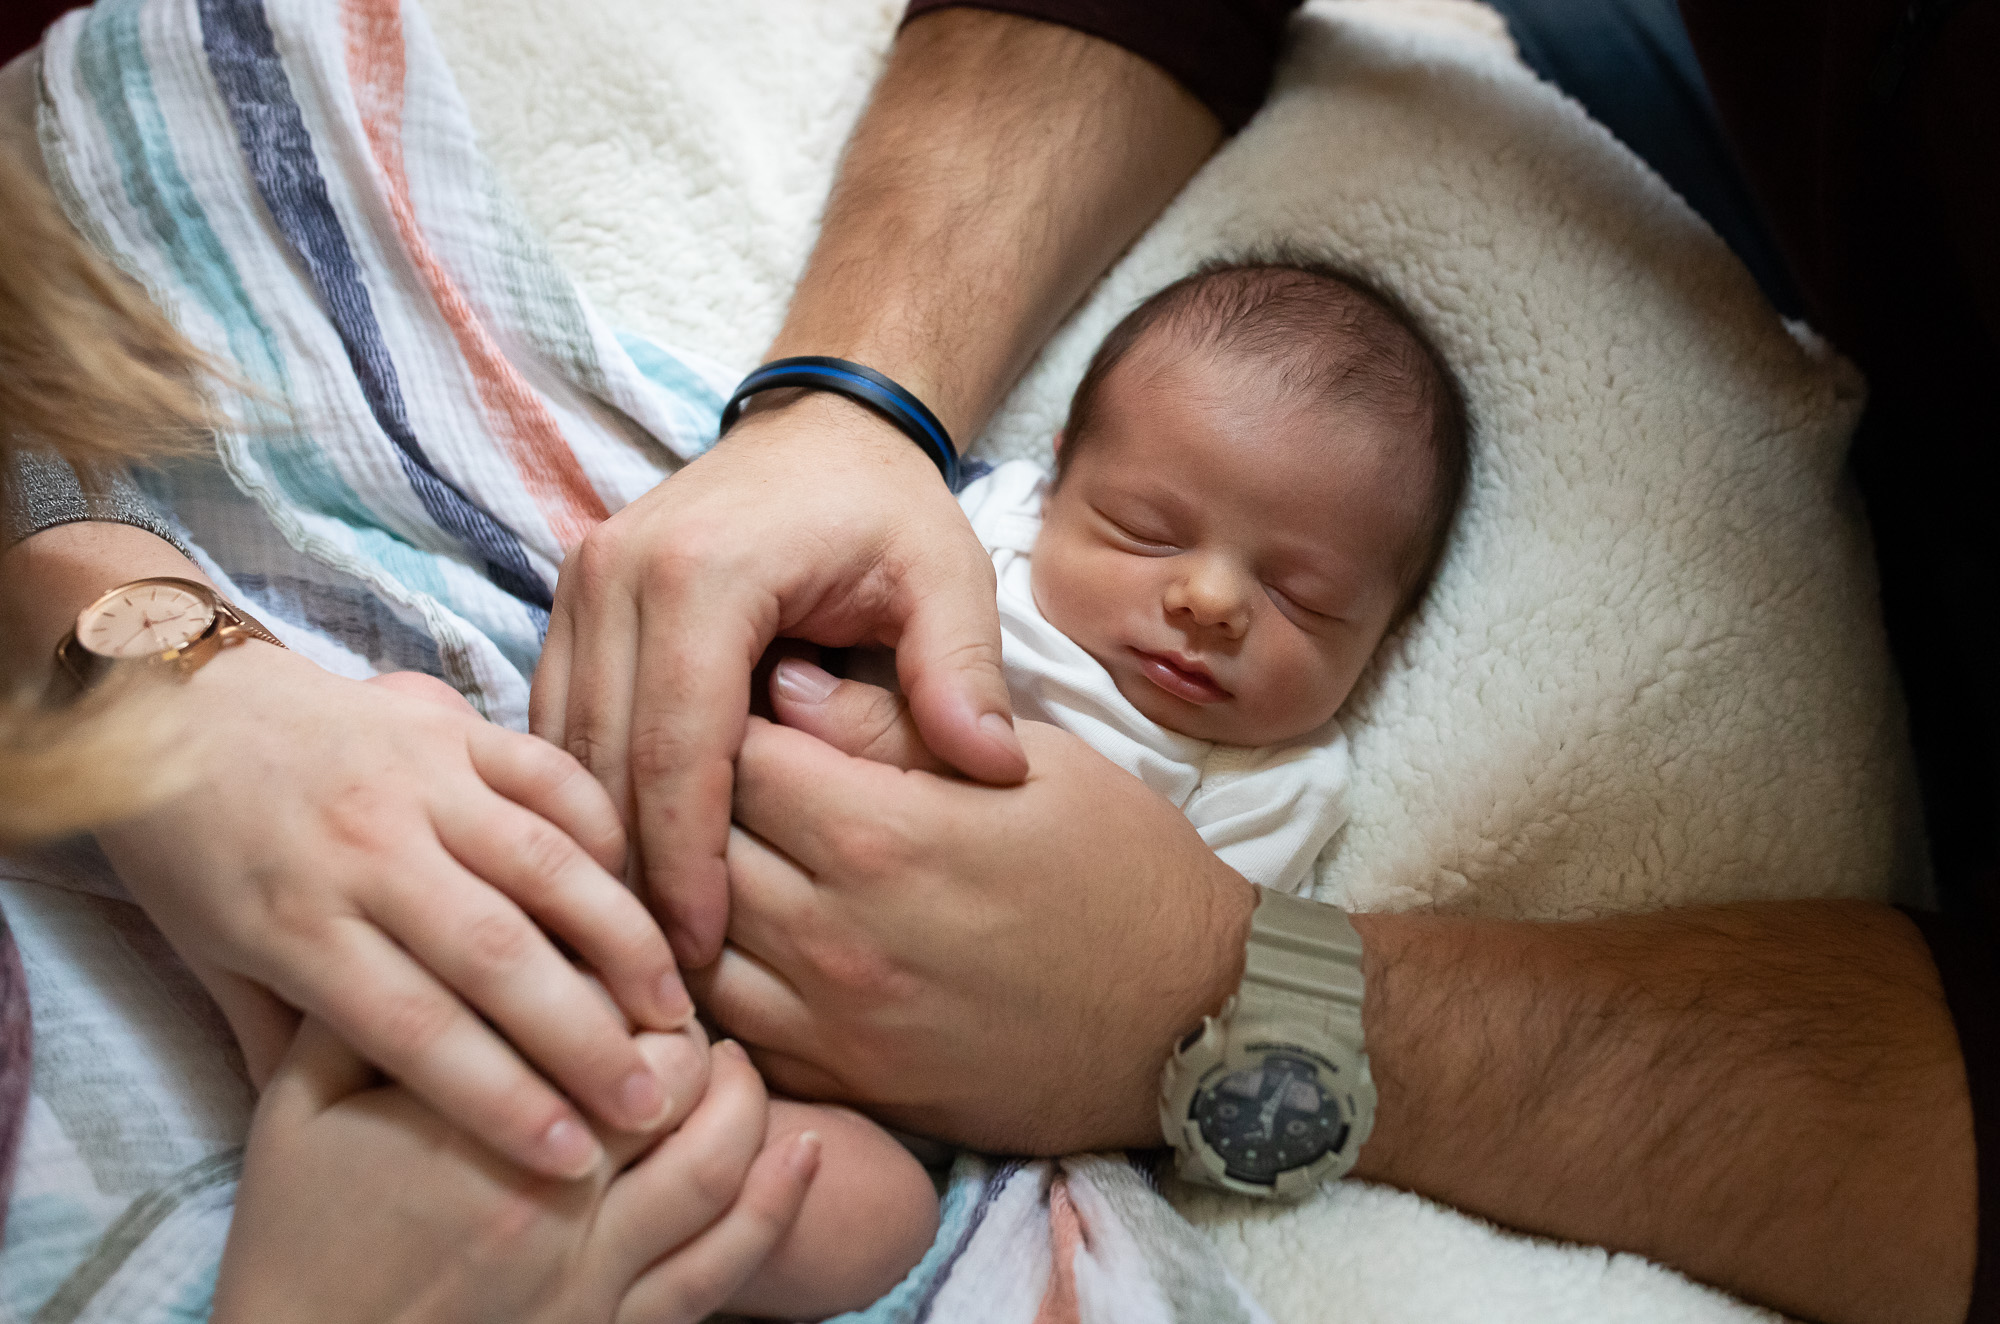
1342, 1073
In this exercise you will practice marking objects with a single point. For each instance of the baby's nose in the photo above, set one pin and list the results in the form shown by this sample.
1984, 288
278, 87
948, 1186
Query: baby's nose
1213, 597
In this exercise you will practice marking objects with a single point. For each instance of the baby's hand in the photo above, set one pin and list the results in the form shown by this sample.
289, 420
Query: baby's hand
380, 857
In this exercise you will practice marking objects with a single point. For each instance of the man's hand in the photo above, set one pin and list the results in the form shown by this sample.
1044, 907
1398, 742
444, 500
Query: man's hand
1003, 968
387, 863
360, 1204
813, 520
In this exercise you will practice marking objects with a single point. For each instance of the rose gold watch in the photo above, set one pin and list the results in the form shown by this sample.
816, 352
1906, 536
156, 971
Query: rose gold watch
168, 622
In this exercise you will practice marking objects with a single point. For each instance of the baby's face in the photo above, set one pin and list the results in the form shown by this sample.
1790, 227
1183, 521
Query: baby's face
1231, 563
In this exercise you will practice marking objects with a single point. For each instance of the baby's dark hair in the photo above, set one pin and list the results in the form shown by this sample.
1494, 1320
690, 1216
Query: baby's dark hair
1335, 337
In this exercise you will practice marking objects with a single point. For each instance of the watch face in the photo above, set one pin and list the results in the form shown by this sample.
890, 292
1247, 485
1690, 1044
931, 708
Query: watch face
144, 620
1269, 1119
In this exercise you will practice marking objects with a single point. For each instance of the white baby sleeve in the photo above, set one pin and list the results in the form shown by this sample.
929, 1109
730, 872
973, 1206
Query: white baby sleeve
1267, 813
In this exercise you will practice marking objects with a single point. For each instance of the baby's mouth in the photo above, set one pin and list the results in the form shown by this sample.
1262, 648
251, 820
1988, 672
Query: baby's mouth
1182, 677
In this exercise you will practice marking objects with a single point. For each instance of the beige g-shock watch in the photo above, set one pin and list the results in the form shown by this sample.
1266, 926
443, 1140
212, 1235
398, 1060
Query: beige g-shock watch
1272, 1096
161, 622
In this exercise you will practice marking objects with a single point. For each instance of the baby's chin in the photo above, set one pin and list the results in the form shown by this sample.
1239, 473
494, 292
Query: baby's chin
1222, 723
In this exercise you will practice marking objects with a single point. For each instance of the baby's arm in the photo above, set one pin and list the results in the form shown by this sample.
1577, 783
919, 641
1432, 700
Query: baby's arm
869, 1216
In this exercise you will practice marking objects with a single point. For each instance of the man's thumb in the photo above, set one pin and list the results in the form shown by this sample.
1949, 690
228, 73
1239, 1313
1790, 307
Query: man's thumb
949, 666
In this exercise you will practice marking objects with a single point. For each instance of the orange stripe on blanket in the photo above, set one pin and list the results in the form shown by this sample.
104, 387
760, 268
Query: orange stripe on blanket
533, 440
1066, 1239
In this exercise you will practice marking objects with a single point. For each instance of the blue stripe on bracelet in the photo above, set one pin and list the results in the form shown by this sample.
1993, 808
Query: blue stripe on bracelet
865, 385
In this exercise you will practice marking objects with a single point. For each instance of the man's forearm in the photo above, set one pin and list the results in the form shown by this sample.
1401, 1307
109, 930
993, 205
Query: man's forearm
1767, 1097
1001, 166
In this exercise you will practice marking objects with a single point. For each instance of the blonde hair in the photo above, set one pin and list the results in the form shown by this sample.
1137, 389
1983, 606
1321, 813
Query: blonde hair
93, 372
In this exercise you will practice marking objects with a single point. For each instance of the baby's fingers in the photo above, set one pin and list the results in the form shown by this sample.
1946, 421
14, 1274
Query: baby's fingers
699, 1279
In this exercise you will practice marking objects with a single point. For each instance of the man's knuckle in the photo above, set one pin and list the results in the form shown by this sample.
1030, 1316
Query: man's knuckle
866, 844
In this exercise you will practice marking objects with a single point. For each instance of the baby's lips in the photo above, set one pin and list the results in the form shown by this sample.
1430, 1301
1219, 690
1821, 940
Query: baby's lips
1187, 685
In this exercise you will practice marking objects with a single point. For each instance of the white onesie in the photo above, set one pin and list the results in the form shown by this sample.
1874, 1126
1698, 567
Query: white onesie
1265, 812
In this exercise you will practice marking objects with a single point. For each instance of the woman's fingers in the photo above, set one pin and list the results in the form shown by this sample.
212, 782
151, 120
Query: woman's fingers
541, 869
700, 1278
481, 945
417, 1031
695, 1173
264, 1027
538, 776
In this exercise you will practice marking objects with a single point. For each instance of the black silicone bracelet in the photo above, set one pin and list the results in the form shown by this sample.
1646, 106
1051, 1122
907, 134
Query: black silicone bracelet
862, 384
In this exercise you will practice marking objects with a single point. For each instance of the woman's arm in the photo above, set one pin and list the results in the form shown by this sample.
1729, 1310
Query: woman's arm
382, 863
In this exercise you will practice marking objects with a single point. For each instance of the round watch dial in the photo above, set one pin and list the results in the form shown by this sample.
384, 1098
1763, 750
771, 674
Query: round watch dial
1269, 1119
144, 620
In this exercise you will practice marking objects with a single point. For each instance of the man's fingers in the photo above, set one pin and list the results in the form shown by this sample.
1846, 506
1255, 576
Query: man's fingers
865, 721
419, 1033
701, 1277
537, 775
948, 661
695, 1174
597, 675
485, 949
537, 866
692, 698
548, 693
748, 999
811, 802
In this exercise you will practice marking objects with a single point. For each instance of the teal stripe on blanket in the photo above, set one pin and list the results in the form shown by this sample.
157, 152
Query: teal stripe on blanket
700, 404
111, 58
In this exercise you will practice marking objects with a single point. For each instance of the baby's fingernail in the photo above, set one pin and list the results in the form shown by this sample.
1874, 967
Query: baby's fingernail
571, 1148
734, 1049
642, 1099
804, 1157
999, 729
802, 682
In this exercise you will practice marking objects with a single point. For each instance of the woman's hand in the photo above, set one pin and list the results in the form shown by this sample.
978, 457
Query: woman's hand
382, 861
816, 521
360, 1204
1006, 968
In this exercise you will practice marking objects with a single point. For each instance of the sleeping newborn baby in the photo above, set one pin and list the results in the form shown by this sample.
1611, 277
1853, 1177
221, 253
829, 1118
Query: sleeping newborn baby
1254, 485
1255, 482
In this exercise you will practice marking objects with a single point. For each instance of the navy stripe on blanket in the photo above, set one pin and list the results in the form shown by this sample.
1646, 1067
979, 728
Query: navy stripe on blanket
244, 60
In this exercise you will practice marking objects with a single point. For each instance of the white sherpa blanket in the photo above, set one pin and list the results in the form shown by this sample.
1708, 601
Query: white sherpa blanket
1651, 671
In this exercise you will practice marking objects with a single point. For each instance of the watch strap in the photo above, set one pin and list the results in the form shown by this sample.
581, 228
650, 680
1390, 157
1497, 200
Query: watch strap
1304, 948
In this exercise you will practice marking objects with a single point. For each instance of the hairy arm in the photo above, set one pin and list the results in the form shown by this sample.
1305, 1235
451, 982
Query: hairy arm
1002, 165
1767, 1097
